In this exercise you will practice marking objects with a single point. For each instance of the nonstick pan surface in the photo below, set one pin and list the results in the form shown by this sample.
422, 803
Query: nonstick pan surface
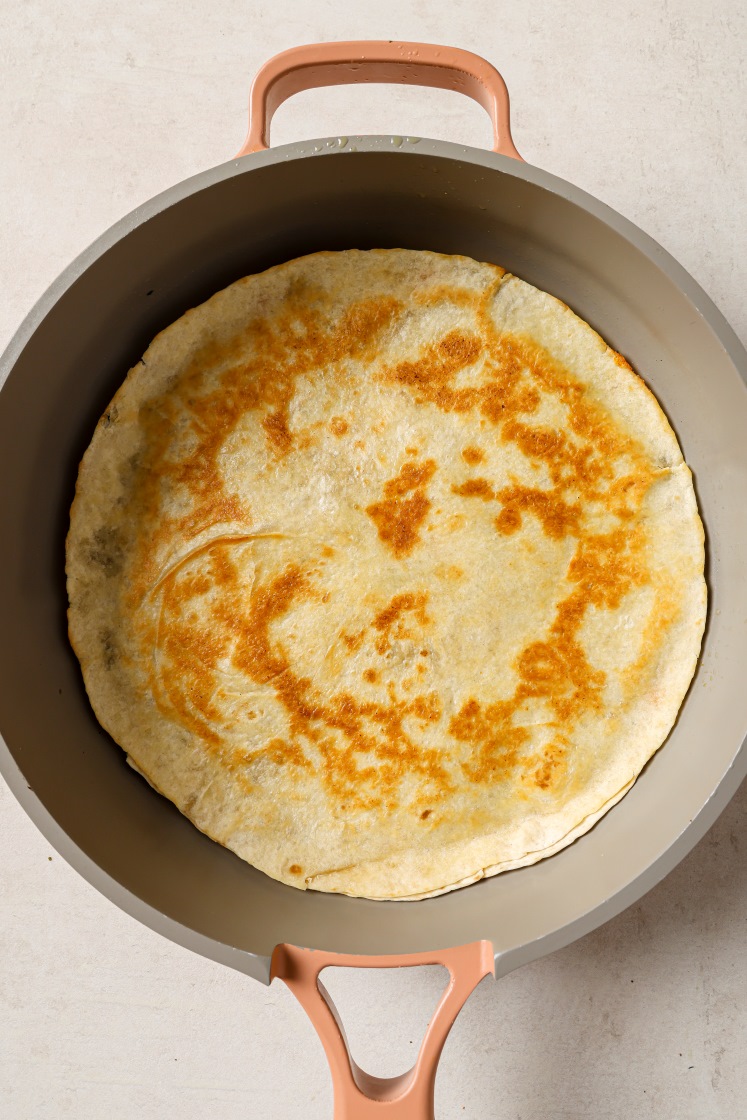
95, 321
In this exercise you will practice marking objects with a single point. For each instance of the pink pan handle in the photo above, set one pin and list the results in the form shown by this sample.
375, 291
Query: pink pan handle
417, 64
358, 1095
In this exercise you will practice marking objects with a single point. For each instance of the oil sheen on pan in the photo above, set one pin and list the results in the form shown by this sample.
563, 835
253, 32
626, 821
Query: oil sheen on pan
387, 571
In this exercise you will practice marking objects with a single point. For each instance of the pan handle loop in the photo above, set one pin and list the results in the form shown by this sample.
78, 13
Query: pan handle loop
358, 1095
419, 64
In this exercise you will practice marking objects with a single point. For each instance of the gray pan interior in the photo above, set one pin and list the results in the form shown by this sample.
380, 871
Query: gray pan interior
72, 352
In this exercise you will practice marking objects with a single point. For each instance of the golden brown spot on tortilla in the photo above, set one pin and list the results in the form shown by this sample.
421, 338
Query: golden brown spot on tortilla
371, 675
508, 521
451, 572
275, 425
557, 517
186, 650
327, 551
283, 753
475, 488
473, 455
620, 361
427, 707
429, 377
558, 671
494, 741
213, 509
196, 585
400, 514
425, 814
550, 767
649, 641
255, 654
398, 521
338, 426
411, 477
353, 641
295, 869
359, 445
389, 621
448, 293
399, 604
411, 451
607, 566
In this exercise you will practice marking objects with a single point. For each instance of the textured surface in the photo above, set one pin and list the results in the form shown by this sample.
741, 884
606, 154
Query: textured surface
386, 570
646, 1016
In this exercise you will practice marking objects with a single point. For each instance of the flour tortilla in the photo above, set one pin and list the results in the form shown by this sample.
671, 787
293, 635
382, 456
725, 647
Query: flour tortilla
387, 571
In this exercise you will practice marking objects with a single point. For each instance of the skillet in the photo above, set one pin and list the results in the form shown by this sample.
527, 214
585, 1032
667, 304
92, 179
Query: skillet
71, 353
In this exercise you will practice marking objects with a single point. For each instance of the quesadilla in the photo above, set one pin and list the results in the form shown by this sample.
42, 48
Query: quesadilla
386, 570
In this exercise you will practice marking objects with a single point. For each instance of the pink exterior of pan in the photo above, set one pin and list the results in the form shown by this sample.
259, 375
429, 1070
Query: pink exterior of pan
73, 350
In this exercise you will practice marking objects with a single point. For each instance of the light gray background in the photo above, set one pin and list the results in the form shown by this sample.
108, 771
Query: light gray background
106, 102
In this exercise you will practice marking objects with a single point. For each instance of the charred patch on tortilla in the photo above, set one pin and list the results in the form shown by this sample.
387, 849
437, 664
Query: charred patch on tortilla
108, 649
105, 550
127, 473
